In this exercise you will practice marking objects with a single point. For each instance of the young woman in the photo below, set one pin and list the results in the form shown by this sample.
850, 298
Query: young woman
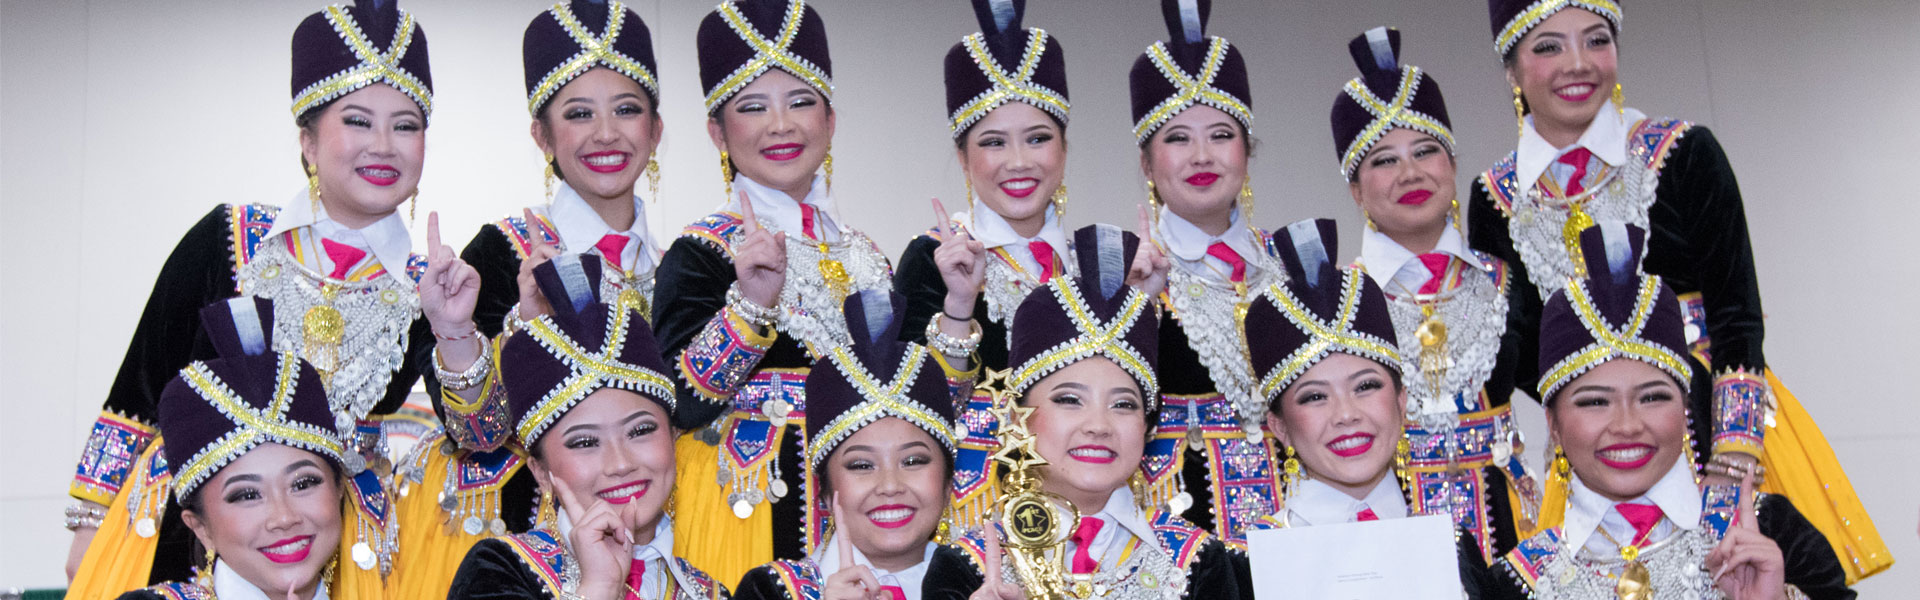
257, 469
353, 300
1084, 355
592, 404
1329, 368
1637, 516
592, 97
1007, 106
747, 298
881, 443
1449, 304
1193, 119
1584, 155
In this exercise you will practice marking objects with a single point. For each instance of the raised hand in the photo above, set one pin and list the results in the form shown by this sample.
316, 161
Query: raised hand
602, 543
1148, 273
449, 288
532, 302
851, 582
1748, 565
759, 260
994, 585
962, 262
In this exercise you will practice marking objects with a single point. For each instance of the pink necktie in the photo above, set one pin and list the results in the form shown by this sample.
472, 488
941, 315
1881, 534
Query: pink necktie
1366, 514
1436, 264
344, 257
1577, 158
806, 221
1226, 254
1642, 516
1083, 561
636, 578
893, 592
612, 247
1043, 254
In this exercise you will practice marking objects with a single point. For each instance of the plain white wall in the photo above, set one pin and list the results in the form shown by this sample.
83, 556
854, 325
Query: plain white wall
122, 122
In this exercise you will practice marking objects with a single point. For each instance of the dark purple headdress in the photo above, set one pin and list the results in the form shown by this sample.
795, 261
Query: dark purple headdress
741, 39
217, 410
1385, 95
1320, 309
874, 377
1512, 19
1004, 62
576, 35
1092, 314
344, 48
584, 345
1613, 312
1189, 68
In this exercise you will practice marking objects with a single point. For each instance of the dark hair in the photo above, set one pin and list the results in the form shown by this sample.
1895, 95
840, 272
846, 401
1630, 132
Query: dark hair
194, 502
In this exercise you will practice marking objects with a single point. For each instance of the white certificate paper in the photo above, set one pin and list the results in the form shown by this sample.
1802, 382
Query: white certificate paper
1397, 559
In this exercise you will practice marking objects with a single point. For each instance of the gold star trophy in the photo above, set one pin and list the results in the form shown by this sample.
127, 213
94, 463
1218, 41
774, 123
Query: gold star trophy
1032, 519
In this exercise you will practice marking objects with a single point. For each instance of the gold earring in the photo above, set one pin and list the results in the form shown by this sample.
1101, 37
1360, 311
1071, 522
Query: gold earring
726, 174
1137, 484
413, 205
653, 179
970, 203
1246, 199
549, 177
1619, 99
1402, 457
1458, 225
829, 168
1153, 197
313, 187
548, 516
1369, 217
1059, 201
1519, 111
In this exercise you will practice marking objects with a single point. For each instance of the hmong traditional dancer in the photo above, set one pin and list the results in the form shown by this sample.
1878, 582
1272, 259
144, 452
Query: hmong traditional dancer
352, 299
1007, 107
749, 297
591, 401
1084, 350
1584, 155
592, 93
1193, 119
257, 469
1639, 520
1395, 144
880, 443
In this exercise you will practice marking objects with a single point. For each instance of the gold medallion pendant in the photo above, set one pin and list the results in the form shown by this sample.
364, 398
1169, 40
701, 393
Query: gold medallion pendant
1434, 360
1577, 221
834, 273
323, 328
1635, 583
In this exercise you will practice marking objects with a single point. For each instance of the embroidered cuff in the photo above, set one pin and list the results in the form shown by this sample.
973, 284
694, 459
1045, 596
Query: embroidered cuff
112, 448
723, 355
484, 423
1741, 406
959, 383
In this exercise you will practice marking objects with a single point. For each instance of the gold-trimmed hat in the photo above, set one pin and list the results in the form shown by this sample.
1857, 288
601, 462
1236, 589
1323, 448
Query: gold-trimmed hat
1321, 308
344, 48
576, 35
741, 39
1385, 95
1004, 62
217, 410
583, 345
1512, 19
1092, 314
1614, 312
1189, 68
875, 377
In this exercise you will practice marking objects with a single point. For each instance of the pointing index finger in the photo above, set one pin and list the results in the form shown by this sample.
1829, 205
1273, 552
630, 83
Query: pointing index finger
746, 214
1747, 517
565, 495
940, 220
846, 545
433, 231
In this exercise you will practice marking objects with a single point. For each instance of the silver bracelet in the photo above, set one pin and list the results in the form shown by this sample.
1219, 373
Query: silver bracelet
755, 314
940, 342
473, 376
82, 516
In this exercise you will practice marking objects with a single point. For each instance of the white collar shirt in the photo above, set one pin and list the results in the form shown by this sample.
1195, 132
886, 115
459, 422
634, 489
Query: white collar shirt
1606, 138
386, 240
781, 212
993, 231
1187, 244
910, 580
229, 585
1587, 511
1317, 503
1398, 270
581, 228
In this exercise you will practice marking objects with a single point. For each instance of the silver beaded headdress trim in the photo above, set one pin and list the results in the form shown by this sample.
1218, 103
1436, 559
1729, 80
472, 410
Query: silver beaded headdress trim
593, 51
768, 54
592, 370
1520, 24
1107, 339
1194, 89
375, 66
1388, 115
252, 427
1610, 343
1327, 336
881, 400
1007, 87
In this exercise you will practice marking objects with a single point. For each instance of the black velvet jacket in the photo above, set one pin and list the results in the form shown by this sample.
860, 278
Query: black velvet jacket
918, 279
951, 575
492, 570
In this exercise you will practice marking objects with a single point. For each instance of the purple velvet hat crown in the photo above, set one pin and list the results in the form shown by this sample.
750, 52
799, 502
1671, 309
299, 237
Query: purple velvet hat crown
577, 35
1512, 19
217, 410
582, 346
1004, 62
1614, 312
1385, 95
742, 39
344, 48
1094, 313
1321, 308
874, 377
1189, 68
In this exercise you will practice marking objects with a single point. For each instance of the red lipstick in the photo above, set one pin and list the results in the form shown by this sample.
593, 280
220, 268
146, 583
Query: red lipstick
782, 152
380, 175
1202, 179
1019, 188
606, 161
290, 550
1364, 443
626, 492
1416, 197
1625, 457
